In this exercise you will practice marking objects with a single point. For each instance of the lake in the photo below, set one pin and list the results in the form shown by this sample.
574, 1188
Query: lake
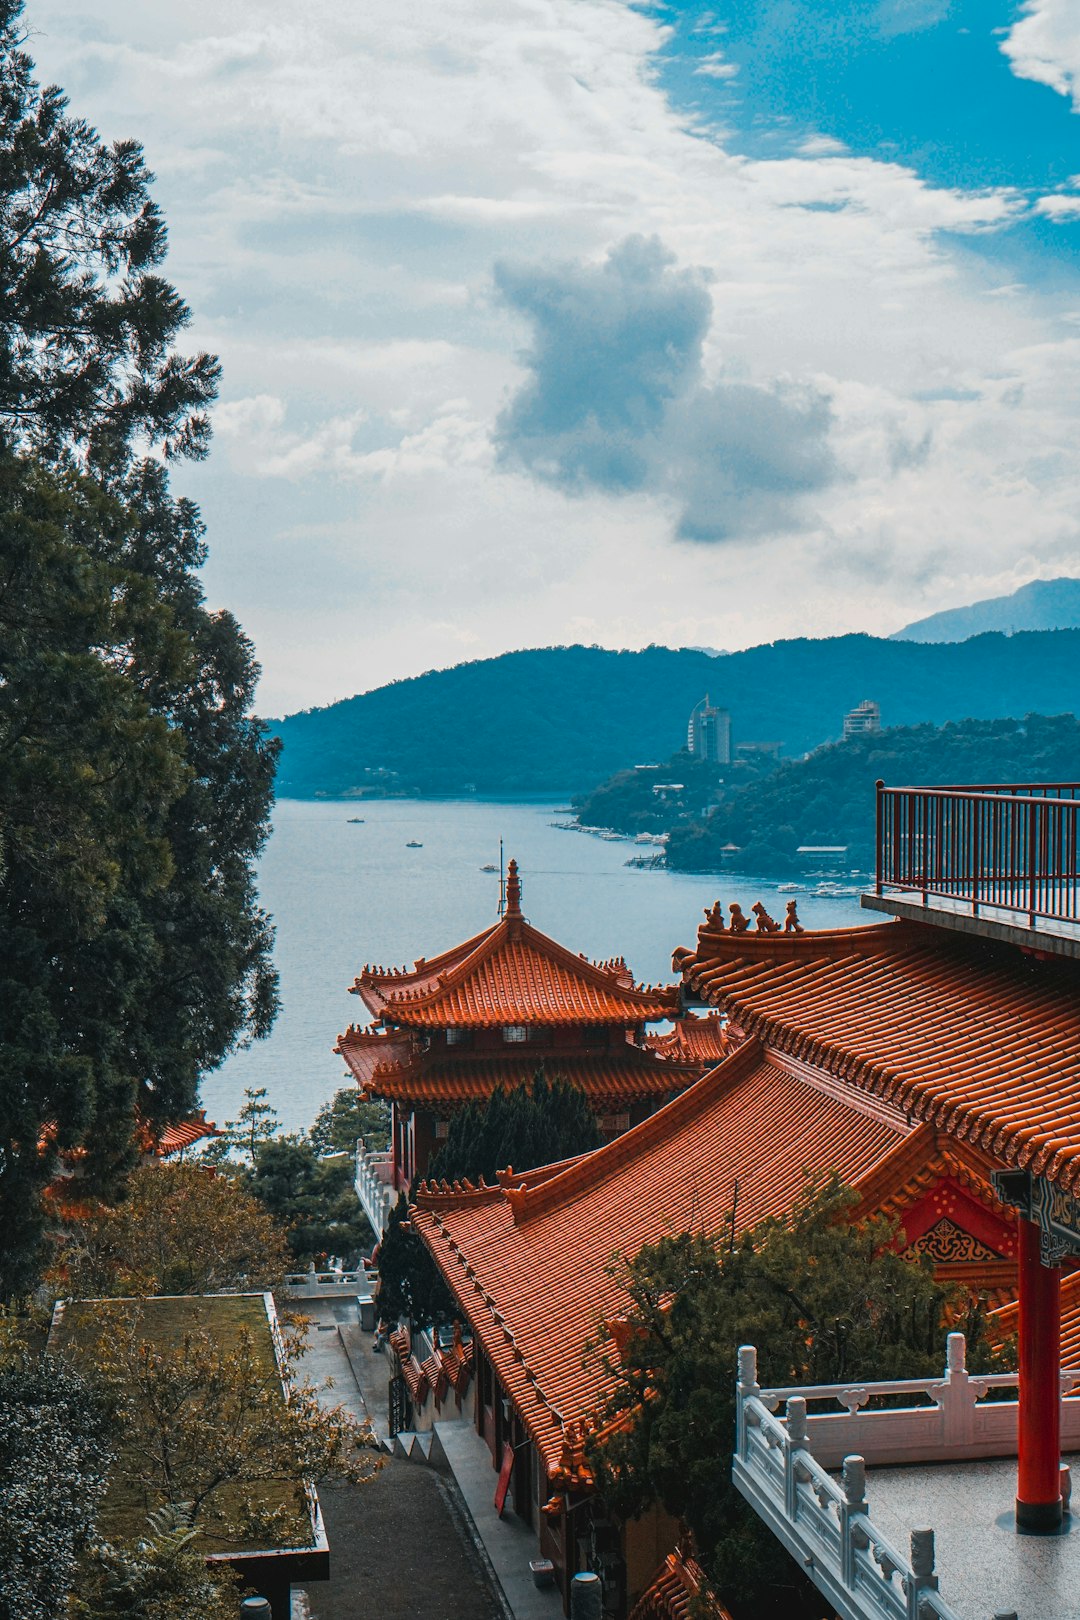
343, 894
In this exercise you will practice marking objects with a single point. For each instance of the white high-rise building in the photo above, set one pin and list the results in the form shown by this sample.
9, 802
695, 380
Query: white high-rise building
708, 735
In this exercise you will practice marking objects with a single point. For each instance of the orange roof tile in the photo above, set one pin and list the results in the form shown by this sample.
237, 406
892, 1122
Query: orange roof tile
512, 974
184, 1133
978, 1039
529, 1260
679, 1591
704, 1041
1004, 1322
421, 1078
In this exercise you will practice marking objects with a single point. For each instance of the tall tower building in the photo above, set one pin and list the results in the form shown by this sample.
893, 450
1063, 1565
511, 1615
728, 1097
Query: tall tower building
708, 734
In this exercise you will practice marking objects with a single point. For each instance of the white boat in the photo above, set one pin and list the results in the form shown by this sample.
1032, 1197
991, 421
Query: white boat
791, 888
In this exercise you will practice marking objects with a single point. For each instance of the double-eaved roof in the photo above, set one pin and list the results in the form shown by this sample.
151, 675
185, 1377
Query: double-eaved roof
977, 1038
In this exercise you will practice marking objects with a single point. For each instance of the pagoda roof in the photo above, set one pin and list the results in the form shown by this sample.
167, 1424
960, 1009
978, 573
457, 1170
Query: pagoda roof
979, 1039
512, 974
529, 1259
693, 1040
629, 1076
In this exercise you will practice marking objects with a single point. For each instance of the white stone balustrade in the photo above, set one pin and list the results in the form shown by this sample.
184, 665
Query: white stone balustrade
374, 1186
825, 1523
949, 1418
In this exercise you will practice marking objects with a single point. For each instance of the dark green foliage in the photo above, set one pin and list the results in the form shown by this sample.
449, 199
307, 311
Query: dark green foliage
519, 1129
560, 719
823, 1301
347, 1116
313, 1198
828, 798
55, 1451
627, 803
134, 795
87, 324
162, 1576
410, 1284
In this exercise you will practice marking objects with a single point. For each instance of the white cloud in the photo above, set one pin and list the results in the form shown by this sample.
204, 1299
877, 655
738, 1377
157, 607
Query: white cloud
339, 183
1058, 206
1044, 45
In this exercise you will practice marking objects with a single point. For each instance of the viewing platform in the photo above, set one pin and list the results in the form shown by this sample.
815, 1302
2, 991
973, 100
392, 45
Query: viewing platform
897, 1512
1000, 862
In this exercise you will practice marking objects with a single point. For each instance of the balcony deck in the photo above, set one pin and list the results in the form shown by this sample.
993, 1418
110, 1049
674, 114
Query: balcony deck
984, 1567
1001, 862
936, 1474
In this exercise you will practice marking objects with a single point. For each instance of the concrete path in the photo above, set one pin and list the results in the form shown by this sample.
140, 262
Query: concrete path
402, 1547
509, 1542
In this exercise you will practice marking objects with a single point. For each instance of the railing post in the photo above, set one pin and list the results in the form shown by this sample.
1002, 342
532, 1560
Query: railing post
922, 1578
853, 1480
746, 1386
796, 1428
879, 834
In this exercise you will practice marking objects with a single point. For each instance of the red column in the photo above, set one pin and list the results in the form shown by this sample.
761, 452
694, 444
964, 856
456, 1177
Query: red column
1038, 1484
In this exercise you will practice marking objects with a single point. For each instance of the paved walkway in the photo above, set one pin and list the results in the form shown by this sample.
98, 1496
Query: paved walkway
436, 1532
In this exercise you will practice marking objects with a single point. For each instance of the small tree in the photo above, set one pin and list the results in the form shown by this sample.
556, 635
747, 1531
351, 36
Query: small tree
345, 1117
255, 1125
55, 1451
182, 1229
314, 1200
824, 1301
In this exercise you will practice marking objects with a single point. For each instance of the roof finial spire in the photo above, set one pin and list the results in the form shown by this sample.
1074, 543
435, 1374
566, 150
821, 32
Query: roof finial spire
513, 890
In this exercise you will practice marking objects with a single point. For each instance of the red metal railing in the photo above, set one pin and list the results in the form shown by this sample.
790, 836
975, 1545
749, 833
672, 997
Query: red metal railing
1013, 847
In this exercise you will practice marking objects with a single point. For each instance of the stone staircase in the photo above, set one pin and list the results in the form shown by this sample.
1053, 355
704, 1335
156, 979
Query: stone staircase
418, 1446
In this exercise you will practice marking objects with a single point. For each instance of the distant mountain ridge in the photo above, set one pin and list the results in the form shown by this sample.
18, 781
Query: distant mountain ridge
1045, 604
558, 720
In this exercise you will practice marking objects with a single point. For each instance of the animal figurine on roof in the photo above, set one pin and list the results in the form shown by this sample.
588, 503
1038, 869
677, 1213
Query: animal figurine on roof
792, 925
765, 923
740, 923
714, 919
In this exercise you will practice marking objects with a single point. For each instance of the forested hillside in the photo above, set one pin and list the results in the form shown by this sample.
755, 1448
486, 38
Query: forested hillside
561, 719
829, 797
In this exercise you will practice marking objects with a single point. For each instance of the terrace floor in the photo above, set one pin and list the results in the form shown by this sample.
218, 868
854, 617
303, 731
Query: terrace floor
984, 1567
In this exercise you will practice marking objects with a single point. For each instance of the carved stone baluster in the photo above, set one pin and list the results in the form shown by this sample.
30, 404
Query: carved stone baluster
796, 1428
853, 1480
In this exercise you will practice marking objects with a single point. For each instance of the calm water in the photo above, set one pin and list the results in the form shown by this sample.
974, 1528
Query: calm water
342, 895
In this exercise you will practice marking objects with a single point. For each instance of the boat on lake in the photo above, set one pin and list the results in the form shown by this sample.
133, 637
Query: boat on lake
489, 866
413, 844
355, 821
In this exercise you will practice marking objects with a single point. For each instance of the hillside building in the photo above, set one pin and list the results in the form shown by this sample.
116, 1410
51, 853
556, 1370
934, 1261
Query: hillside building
487, 1014
862, 721
708, 733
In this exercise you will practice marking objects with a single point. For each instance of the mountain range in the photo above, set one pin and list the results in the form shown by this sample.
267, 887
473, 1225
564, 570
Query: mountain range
558, 720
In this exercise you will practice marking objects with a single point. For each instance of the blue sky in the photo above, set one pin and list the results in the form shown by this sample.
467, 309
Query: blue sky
578, 320
924, 83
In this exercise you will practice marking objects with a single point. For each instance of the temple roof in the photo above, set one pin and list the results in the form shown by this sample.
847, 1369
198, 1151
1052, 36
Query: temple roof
694, 1040
529, 1260
679, 1591
511, 974
625, 1076
979, 1039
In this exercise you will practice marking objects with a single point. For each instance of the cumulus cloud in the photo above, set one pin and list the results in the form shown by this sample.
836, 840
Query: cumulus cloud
1044, 45
615, 398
